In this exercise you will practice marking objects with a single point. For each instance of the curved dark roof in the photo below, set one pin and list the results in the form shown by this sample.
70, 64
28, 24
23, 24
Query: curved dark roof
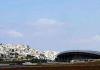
83, 51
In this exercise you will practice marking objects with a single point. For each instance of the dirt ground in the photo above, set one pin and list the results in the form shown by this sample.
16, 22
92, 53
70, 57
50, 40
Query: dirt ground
54, 68
83, 66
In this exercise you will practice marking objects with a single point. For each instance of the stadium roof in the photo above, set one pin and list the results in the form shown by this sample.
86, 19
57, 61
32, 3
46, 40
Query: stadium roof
85, 51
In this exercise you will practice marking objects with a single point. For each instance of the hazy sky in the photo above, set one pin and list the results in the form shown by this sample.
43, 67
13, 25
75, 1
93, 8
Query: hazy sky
51, 24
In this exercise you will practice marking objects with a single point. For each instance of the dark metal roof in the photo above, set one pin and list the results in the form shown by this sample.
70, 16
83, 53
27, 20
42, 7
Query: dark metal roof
83, 51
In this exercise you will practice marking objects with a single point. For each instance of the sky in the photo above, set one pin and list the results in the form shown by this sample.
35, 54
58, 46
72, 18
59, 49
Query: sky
57, 25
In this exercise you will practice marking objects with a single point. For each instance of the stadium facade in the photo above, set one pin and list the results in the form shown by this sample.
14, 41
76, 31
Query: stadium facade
78, 55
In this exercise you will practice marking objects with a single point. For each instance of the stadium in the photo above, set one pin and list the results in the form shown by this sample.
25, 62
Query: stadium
77, 56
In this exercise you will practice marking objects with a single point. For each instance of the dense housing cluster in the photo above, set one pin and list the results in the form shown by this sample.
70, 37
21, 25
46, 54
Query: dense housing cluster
20, 52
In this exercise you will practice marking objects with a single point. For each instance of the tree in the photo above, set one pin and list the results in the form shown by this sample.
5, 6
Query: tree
29, 57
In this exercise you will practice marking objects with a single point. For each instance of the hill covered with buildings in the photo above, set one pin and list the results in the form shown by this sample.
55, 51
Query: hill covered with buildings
19, 52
